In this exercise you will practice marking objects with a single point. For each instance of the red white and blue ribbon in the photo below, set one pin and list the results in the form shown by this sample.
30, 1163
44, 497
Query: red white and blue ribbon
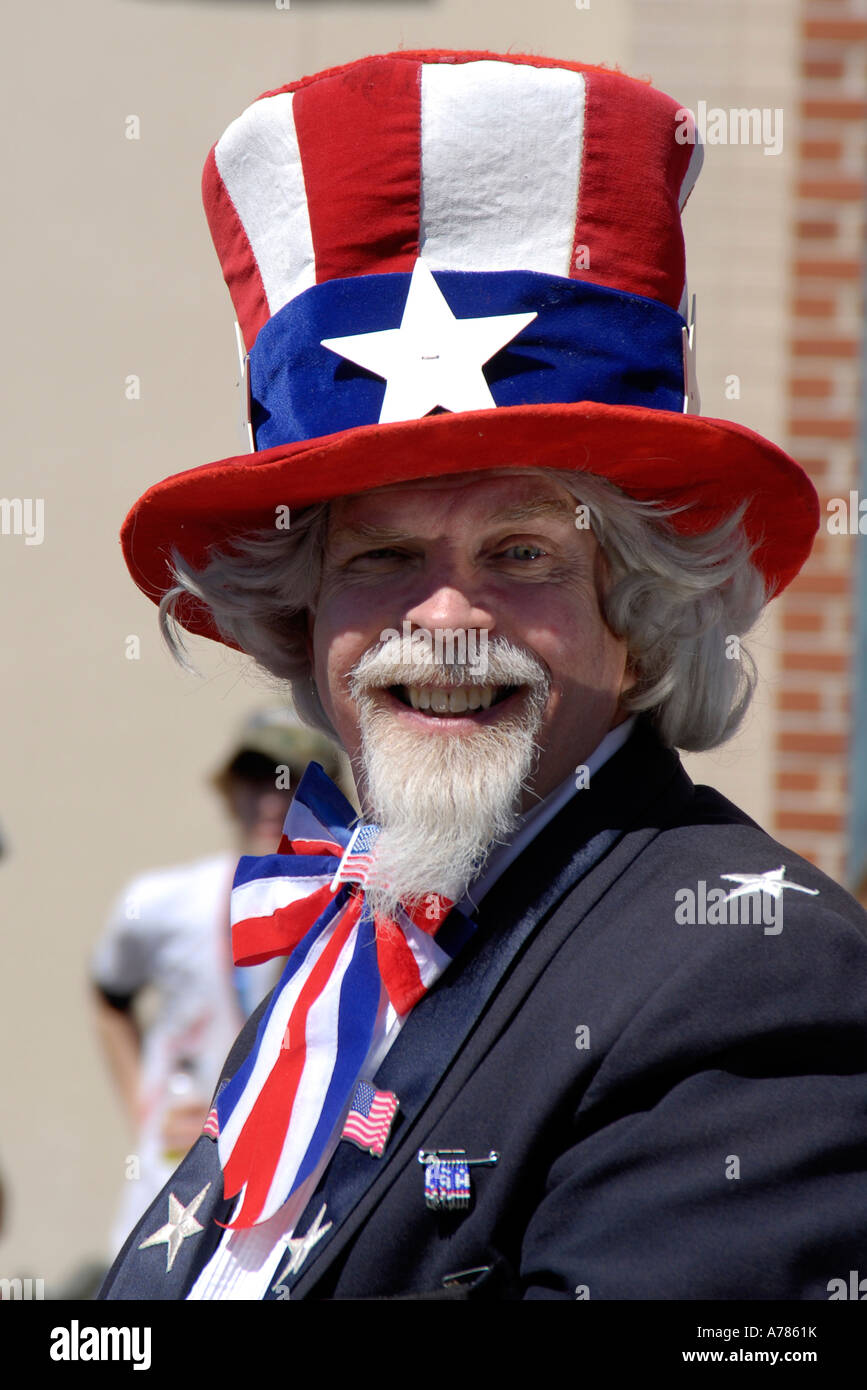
281, 1108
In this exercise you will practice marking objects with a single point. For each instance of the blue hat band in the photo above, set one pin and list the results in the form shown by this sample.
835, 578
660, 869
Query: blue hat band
587, 343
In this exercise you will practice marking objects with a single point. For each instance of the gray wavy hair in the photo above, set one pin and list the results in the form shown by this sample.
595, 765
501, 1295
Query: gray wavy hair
678, 601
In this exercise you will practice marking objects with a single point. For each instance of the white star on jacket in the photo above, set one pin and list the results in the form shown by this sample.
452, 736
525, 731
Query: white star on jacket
432, 359
772, 881
181, 1223
299, 1247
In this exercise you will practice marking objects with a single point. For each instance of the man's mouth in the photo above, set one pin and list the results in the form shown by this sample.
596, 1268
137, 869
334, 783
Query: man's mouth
444, 702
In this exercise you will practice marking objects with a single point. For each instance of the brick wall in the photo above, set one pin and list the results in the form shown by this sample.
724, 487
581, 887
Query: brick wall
814, 697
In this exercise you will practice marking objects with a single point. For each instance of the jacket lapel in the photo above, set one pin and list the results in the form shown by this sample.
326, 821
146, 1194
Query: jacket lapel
177, 1234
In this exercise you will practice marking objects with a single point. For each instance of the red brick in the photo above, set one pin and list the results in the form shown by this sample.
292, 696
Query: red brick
821, 149
826, 497
826, 269
828, 745
797, 781
834, 109
816, 387
847, 348
807, 700
836, 190
821, 583
815, 661
822, 67
832, 428
816, 468
811, 820
846, 30
807, 850
806, 620
813, 308
813, 231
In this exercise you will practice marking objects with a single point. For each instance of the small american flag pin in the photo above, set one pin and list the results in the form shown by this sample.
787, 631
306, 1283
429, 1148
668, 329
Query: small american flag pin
370, 1118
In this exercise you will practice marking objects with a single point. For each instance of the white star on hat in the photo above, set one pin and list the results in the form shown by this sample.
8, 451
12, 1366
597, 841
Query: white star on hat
433, 359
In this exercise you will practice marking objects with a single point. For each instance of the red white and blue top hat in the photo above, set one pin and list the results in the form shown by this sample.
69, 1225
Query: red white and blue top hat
448, 262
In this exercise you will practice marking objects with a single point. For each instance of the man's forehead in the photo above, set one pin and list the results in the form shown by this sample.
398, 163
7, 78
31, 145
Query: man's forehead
501, 497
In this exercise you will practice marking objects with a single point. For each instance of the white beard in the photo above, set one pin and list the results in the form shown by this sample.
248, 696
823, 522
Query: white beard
442, 801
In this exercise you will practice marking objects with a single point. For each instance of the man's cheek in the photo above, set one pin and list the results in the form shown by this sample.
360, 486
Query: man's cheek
337, 697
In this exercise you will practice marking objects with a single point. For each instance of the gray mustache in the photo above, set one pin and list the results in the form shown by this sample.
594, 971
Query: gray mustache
394, 663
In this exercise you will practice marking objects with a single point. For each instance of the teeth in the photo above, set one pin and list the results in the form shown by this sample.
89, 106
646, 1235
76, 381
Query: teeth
452, 701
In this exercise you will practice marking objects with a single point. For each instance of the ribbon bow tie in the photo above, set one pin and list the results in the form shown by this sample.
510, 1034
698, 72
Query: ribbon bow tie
281, 1108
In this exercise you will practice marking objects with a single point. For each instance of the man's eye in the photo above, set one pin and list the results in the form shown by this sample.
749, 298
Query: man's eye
385, 552
524, 552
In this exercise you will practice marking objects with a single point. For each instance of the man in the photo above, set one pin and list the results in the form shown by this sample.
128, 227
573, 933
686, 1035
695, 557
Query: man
527, 1044
168, 932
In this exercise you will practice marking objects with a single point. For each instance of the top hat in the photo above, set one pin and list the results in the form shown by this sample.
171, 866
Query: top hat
448, 262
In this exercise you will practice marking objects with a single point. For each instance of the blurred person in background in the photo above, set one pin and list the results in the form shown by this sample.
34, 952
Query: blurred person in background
168, 931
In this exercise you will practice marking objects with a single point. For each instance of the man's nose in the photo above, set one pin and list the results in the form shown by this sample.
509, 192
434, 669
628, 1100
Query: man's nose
451, 605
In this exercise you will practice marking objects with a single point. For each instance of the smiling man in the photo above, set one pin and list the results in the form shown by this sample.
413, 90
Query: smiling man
446, 761
501, 1063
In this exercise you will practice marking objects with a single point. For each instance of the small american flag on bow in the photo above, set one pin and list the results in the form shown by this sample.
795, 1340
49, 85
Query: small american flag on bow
357, 861
370, 1117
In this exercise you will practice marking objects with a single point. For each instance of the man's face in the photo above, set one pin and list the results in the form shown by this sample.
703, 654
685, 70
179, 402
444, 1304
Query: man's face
478, 554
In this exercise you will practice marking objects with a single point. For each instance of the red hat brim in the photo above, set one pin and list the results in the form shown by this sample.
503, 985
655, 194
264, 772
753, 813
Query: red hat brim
708, 466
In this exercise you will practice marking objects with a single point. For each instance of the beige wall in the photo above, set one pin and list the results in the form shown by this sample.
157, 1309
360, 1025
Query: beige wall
113, 273
738, 230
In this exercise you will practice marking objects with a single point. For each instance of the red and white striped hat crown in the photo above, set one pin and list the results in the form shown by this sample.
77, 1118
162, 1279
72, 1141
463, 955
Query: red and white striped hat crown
469, 162
447, 262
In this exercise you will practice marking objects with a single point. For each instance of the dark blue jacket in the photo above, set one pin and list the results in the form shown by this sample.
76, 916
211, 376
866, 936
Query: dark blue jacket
679, 1109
